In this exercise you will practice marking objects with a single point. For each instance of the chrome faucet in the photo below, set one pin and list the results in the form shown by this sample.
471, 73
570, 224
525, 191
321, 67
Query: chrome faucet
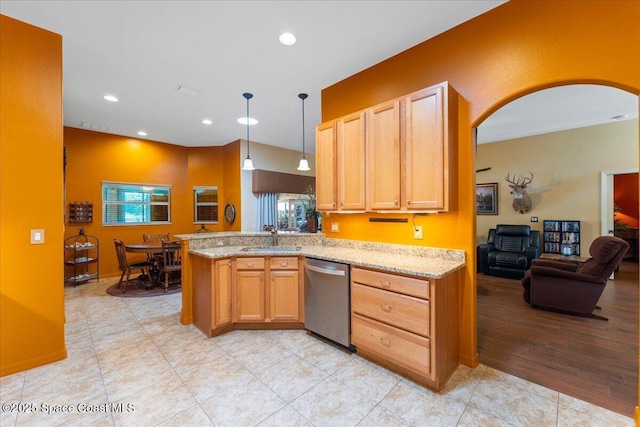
274, 233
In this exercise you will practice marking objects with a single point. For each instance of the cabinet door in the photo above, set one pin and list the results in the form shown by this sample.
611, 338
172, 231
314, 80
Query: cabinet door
203, 301
351, 157
425, 150
250, 296
383, 158
326, 167
284, 297
222, 294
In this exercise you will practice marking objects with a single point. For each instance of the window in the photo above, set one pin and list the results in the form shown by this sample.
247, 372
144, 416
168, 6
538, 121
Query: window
205, 201
291, 211
135, 204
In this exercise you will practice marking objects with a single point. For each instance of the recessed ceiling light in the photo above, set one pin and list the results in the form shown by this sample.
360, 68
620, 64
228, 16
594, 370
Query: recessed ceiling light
142, 133
111, 98
243, 121
207, 122
287, 39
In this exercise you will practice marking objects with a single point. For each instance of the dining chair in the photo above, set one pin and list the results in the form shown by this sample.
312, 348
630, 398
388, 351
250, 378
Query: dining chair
171, 261
126, 268
155, 258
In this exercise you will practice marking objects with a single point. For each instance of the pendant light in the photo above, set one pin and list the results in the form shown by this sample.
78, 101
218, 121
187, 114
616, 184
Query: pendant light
248, 163
304, 164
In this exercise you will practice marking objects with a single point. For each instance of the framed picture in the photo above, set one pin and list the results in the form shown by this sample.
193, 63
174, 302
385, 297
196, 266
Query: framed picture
487, 199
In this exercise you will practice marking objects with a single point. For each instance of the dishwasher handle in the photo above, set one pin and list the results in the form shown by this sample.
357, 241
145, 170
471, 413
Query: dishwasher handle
321, 270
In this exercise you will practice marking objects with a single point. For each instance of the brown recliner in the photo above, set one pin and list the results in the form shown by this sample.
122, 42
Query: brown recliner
572, 288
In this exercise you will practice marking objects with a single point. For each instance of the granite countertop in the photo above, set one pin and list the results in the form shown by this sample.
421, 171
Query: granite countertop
435, 264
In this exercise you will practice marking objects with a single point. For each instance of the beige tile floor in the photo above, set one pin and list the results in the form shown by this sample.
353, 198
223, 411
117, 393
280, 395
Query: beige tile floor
131, 363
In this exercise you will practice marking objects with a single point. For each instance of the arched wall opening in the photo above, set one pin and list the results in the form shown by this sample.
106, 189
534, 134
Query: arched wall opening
543, 155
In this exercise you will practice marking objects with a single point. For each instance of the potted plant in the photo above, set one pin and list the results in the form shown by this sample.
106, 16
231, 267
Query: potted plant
310, 209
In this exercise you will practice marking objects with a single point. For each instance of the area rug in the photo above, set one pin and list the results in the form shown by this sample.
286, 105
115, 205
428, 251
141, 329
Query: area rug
137, 289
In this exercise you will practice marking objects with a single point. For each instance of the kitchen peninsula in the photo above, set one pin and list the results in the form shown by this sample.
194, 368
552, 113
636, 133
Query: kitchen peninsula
404, 299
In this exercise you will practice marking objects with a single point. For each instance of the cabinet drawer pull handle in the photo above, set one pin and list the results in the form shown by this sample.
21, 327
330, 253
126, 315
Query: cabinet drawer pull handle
395, 202
408, 202
250, 264
385, 307
284, 264
385, 342
385, 283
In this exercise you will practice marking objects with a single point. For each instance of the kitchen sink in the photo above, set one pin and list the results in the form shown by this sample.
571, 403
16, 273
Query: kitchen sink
271, 249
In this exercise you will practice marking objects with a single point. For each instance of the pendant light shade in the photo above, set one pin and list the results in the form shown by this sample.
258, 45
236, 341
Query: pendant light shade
248, 163
304, 164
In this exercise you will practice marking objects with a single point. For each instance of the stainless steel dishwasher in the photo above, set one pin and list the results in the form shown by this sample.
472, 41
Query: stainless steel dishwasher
327, 300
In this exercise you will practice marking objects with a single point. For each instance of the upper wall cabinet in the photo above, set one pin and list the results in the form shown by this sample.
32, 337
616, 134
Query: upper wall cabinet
340, 156
405, 161
326, 179
430, 129
384, 156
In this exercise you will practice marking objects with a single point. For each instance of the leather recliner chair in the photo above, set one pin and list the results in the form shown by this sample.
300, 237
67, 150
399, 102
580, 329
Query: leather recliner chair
509, 251
574, 288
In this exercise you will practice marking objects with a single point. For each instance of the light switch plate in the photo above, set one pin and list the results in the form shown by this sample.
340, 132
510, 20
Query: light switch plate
335, 227
37, 236
534, 219
417, 232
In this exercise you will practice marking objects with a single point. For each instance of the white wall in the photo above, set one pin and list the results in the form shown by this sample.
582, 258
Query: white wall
270, 158
566, 167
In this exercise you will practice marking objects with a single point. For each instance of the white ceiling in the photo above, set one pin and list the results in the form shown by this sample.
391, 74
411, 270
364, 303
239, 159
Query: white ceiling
141, 51
556, 109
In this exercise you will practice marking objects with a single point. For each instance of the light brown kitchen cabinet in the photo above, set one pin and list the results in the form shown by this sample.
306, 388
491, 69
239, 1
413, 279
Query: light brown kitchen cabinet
211, 295
268, 290
326, 181
351, 158
383, 159
284, 289
247, 293
408, 146
340, 148
430, 129
407, 324
222, 293
250, 290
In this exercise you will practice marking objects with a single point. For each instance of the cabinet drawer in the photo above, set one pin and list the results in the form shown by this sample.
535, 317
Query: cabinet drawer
284, 263
398, 310
391, 282
395, 345
250, 263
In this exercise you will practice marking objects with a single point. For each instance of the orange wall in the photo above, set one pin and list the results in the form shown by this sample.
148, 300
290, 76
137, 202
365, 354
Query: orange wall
93, 157
625, 195
206, 167
32, 297
232, 184
515, 49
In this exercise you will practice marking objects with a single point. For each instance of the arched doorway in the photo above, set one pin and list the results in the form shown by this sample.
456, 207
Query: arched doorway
562, 166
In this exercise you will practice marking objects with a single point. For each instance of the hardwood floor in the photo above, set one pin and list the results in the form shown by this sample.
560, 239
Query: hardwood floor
590, 359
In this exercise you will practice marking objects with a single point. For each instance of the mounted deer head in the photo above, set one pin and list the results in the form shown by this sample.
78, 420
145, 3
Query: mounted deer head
521, 200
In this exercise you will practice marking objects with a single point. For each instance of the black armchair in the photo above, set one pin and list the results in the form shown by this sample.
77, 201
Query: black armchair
509, 251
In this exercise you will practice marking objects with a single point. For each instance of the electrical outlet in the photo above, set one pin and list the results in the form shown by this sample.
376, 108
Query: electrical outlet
534, 219
417, 232
335, 227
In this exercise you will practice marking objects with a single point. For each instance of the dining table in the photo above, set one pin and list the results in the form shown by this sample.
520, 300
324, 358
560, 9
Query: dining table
152, 249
